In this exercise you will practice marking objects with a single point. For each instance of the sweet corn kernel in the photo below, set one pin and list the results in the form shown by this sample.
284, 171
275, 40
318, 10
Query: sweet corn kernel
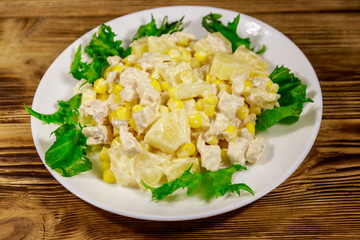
186, 150
209, 110
109, 176
117, 99
137, 66
195, 63
213, 140
184, 42
211, 99
224, 156
105, 165
243, 112
250, 127
172, 92
196, 151
164, 110
255, 109
164, 86
270, 87
199, 105
117, 89
185, 54
201, 56
218, 82
209, 78
115, 142
133, 124
103, 156
100, 86
187, 75
104, 97
174, 54
156, 85
247, 87
195, 120
136, 108
123, 113
118, 68
230, 133
175, 104
225, 87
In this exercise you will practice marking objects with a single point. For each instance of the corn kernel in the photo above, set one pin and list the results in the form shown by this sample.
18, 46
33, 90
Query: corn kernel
186, 150
115, 142
243, 112
103, 156
209, 78
164, 110
133, 124
250, 127
211, 99
225, 87
172, 92
255, 109
247, 87
185, 54
123, 113
175, 104
156, 85
187, 75
103, 97
164, 86
117, 99
230, 133
118, 68
109, 176
217, 81
209, 110
117, 89
105, 165
138, 66
195, 63
201, 56
213, 140
136, 108
195, 120
100, 86
184, 42
199, 105
270, 87
224, 156
174, 54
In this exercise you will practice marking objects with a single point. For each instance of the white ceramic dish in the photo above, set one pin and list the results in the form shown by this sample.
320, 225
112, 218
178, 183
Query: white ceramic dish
287, 146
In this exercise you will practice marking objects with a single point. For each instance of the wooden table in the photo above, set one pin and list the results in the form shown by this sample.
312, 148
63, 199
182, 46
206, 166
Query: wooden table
321, 200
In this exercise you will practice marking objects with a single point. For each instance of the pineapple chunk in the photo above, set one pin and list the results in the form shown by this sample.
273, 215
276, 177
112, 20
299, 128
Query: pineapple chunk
160, 44
190, 90
226, 65
176, 167
170, 132
148, 168
257, 63
139, 46
212, 43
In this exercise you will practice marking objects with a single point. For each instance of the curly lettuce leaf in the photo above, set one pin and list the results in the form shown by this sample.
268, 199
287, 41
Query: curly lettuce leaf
88, 71
219, 183
104, 45
293, 97
67, 154
150, 29
67, 112
212, 24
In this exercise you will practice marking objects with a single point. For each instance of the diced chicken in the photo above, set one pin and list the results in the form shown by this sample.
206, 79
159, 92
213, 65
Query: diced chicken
148, 95
96, 135
82, 86
114, 60
210, 154
149, 60
119, 123
129, 143
217, 127
97, 109
189, 106
255, 150
237, 150
238, 81
144, 118
229, 104
260, 96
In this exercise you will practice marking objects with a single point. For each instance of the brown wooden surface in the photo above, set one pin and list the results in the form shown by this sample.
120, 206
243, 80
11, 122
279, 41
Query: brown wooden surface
321, 200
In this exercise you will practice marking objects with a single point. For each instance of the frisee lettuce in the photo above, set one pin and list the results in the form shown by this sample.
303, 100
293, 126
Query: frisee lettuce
67, 154
219, 183
67, 112
293, 97
150, 29
212, 24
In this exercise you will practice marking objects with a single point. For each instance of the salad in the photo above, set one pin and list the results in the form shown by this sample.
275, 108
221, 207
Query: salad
170, 111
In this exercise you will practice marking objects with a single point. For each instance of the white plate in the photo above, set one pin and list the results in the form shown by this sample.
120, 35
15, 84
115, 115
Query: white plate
287, 146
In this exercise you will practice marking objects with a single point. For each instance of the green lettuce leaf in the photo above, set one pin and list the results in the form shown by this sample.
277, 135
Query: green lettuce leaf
103, 44
212, 24
150, 29
293, 97
67, 112
67, 154
219, 183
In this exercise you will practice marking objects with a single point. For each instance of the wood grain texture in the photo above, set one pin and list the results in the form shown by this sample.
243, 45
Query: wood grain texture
321, 200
